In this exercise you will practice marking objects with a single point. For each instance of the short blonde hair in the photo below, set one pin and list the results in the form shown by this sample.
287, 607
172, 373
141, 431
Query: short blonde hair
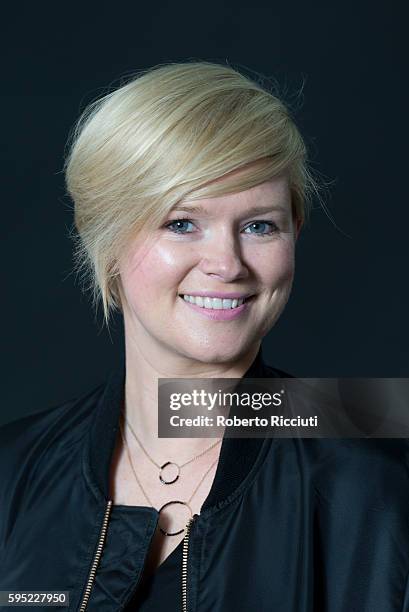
165, 136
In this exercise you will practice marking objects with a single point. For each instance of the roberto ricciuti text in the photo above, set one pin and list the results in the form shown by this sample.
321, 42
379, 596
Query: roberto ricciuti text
235, 421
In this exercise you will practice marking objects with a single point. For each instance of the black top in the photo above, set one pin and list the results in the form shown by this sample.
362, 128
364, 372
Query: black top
162, 590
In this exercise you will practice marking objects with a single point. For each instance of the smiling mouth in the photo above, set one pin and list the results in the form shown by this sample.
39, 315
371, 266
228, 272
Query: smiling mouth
216, 303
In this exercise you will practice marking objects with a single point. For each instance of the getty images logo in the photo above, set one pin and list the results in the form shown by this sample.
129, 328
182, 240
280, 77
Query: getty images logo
204, 399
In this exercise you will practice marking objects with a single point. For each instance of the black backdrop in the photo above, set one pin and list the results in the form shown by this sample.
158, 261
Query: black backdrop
349, 309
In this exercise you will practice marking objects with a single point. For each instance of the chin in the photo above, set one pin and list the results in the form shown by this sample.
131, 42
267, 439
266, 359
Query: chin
217, 354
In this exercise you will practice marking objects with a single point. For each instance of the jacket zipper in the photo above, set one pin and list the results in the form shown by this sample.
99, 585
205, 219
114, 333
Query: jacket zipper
98, 553
96, 559
185, 556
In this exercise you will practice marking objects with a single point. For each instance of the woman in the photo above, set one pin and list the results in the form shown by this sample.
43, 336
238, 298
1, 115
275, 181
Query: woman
190, 184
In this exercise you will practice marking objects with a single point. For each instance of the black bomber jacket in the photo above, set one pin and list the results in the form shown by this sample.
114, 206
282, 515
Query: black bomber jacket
289, 525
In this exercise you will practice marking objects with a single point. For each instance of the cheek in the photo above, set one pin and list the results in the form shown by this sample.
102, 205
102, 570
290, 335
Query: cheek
149, 272
277, 267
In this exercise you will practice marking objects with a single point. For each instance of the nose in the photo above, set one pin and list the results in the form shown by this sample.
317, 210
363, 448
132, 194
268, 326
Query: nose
223, 259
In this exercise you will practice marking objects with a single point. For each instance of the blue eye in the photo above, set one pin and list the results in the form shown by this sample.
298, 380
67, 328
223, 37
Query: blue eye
178, 230
175, 227
273, 228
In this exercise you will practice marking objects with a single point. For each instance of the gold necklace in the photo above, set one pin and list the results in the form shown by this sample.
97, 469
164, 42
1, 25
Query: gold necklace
173, 502
163, 467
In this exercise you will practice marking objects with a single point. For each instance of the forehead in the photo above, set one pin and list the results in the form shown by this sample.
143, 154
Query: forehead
270, 195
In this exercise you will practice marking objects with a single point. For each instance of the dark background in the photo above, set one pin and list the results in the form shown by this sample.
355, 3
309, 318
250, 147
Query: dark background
348, 312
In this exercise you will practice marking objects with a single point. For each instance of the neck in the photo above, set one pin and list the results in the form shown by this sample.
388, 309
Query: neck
143, 369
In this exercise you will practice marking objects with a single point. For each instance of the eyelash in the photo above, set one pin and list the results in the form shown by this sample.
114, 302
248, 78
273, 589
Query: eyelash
273, 225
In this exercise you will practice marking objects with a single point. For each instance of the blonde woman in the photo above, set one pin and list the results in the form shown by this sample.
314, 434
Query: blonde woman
190, 185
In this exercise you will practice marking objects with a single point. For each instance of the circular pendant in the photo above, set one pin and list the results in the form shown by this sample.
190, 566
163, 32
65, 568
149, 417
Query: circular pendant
163, 467
174, 533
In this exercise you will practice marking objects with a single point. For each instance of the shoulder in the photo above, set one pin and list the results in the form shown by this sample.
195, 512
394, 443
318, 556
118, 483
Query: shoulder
373, 472
51, 416
30, 438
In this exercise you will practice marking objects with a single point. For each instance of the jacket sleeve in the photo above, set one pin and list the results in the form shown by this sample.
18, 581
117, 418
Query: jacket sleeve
362, 527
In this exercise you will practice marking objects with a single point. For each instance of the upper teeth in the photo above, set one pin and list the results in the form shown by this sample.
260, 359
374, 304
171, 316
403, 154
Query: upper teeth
215, 303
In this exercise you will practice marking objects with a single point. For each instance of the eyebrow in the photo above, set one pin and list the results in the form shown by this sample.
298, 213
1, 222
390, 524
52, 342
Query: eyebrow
255, 210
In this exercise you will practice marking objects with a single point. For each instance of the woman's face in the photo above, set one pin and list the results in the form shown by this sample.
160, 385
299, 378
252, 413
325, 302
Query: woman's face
226, 247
